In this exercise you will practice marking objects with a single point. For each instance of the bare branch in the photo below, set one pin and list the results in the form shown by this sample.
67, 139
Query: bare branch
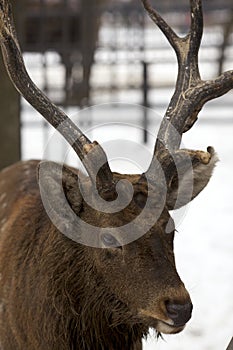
56, 117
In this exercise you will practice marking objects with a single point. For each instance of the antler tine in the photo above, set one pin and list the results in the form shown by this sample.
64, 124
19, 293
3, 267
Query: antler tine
171, 36
56, 117
187, 48
180, 116
191, 92
196, 28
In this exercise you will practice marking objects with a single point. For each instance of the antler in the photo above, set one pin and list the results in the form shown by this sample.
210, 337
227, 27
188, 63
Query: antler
56, 117
191, 92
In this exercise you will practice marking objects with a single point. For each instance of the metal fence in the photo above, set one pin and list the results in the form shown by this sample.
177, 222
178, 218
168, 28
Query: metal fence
87, 52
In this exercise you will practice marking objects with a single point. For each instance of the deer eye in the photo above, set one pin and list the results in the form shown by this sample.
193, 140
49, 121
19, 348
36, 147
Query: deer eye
110, 241
140, 199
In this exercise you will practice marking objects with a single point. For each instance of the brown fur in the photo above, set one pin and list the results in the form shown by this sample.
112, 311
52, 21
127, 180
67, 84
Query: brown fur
58, 294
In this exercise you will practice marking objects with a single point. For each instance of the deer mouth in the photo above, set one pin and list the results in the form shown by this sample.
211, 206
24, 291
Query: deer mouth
161, 326
166, 328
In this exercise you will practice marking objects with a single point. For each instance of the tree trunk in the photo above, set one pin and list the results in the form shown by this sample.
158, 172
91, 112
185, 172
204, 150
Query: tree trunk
9, 117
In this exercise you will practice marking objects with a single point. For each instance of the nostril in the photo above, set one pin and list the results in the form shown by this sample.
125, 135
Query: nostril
179, 313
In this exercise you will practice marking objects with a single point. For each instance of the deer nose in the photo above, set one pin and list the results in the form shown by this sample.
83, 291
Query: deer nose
180, 314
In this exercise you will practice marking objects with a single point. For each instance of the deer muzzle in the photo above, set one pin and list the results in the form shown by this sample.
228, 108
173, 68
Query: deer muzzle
170, 313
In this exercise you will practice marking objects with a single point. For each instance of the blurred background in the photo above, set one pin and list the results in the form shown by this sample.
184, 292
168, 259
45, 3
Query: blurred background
108, 54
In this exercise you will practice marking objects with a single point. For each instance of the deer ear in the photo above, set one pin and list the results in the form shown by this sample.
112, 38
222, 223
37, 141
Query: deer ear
59, 188
192, 178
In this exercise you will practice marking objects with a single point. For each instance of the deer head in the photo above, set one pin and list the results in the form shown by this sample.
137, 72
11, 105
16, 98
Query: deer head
128, 215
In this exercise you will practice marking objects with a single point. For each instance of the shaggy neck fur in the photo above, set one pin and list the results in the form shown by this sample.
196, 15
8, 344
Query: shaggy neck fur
85, 315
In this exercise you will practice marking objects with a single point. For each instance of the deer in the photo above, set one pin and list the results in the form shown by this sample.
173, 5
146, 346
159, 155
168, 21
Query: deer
87, 261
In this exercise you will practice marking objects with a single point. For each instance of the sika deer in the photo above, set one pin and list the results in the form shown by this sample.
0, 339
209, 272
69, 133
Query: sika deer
80, 270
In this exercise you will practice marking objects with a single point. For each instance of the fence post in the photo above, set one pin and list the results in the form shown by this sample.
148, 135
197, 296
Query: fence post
145, 101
